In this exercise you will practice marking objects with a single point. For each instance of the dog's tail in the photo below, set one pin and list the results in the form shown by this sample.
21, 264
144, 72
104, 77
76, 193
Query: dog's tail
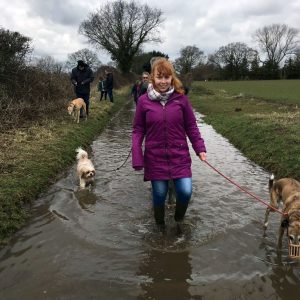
271, 181
81, 153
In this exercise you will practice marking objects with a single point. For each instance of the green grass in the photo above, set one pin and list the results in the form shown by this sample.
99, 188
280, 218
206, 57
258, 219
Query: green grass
33, 157
265, 131
279, 91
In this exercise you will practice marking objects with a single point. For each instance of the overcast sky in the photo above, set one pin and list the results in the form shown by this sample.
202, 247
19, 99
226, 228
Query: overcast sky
209, 24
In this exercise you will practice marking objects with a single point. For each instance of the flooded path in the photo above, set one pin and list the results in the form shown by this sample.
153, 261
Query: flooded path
102, 243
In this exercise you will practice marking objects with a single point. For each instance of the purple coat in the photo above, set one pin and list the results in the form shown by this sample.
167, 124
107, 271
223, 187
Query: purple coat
166, 155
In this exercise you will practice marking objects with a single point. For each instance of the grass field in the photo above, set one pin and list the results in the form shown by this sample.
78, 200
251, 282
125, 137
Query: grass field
264, 126
280, 91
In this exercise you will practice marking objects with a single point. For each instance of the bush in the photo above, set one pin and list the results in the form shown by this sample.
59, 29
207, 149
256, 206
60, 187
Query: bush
28, 92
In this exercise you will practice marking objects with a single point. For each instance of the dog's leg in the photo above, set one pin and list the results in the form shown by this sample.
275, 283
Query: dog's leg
267, 217
77, 116
274, 203
81, 183
280, 235
84, 108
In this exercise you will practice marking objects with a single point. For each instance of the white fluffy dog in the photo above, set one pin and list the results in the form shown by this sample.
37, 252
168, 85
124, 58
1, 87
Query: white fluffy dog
85, 168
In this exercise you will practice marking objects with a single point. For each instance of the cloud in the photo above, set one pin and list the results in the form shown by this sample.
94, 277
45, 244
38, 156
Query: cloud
208, 24
65, 12
212, 24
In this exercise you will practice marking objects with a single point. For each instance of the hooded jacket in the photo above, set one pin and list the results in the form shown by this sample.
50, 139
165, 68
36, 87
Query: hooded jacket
109, 81
165, 129
82, 79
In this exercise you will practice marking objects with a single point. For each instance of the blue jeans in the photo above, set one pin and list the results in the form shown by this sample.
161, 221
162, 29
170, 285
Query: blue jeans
183, 189
86, 98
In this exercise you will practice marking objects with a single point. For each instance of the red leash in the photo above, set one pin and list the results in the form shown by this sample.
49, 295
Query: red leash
244, 190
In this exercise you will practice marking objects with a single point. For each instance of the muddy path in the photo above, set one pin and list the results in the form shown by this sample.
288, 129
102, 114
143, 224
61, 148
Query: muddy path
102, 243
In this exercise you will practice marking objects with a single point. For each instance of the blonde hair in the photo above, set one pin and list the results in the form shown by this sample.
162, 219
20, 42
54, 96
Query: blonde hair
165, 67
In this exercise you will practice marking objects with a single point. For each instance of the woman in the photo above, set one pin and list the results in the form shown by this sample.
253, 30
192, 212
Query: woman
164, 117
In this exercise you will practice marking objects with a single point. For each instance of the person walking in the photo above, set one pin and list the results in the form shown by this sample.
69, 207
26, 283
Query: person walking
81, 78
109, 84
164, 118
102, 88
135, 90
144, 84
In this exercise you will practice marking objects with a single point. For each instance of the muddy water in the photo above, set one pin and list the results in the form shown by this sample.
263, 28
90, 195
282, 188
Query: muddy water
102, 244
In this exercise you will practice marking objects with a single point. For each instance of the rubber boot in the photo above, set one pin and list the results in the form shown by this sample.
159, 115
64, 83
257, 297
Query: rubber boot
180, 211
179, 215
159, 216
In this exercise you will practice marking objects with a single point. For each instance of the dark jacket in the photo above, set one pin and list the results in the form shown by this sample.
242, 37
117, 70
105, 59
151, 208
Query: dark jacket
82, 79
142, 89
134, 91
109, 81
165, 130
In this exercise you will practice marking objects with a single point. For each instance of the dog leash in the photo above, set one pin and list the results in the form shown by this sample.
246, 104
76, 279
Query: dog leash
124, 161
245, 190
118, 168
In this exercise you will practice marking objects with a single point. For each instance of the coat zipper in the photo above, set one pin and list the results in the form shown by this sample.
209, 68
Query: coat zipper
165, 136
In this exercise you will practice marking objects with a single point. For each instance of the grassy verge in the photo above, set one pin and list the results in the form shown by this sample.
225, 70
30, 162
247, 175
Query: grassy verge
279, 91
266, 131
32, 157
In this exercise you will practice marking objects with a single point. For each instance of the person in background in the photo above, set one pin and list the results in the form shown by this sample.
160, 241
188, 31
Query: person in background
81, 78
164, 118
135, 90
109, 84
144, 84
102, 88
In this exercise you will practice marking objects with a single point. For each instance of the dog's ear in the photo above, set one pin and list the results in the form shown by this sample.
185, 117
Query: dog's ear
285, 223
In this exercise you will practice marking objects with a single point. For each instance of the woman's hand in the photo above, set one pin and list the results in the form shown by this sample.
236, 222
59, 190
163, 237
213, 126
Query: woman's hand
202, 156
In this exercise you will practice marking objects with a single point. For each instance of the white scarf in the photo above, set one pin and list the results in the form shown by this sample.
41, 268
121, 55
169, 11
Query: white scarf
154, 95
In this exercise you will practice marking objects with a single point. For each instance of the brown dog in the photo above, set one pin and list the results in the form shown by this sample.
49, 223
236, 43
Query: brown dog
74, 108
286, 190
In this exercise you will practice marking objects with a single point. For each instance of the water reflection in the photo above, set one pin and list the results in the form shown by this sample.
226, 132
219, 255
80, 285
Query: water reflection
86, 199
285, 281
284, 276
166, 275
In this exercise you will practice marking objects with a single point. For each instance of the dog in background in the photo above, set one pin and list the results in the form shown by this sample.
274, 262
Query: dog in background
74, 108
85, 168
286, 190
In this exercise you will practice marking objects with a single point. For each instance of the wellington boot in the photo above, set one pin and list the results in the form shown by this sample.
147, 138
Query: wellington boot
179, 228
161, 228
159, 214
180, 211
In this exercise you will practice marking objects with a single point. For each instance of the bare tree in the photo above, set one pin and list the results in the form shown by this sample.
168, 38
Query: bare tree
232, 53
277, 41
48, 65
235, 58
86, 55
122, 28
190, 57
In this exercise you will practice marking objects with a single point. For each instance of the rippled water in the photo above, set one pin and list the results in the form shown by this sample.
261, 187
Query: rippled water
101, 243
